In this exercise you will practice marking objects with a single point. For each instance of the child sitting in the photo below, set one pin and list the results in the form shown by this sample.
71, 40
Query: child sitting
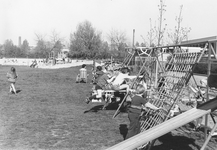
138, 103
118, 83
174, 111
103, 81
12, 76
97, 74
82, 76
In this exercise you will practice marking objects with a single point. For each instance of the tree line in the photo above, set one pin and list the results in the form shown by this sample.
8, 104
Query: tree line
87, 42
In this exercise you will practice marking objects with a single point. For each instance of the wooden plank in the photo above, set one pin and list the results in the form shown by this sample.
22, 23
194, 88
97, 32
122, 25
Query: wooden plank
160, 129
112, 91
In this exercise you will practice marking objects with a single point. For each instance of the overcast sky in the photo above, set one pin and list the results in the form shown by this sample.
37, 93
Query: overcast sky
26, 17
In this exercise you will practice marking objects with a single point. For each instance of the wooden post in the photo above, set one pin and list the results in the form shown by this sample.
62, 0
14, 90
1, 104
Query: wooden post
207, 87
133, 36
159, 130
156, 72
209, 137
112, 64
94, 65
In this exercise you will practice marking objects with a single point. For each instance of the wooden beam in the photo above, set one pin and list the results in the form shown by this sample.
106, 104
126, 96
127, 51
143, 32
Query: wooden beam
159, 130
194, 42
199, 41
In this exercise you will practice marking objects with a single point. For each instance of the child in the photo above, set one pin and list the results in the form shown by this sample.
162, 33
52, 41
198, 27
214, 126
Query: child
118, 83
97, 74
174, 111
137, 104
12, 76
103, 81
82, 76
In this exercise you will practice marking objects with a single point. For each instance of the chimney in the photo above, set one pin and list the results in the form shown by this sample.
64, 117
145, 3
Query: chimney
19, 44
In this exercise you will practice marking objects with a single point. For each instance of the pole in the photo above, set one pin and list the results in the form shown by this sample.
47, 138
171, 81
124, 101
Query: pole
133, 63
112, 63
207, 87
133, 36
156, 69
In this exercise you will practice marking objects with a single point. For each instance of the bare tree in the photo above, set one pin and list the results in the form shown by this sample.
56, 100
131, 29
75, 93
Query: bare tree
44, 47
161, 27
116, 38
180, 33
144, 41
39, 37
55, 37
151, 34
117, 41
56, 42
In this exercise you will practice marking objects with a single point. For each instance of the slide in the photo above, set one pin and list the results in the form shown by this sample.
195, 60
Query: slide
166, 126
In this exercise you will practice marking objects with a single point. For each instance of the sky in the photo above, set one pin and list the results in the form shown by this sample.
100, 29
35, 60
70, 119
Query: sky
25, 18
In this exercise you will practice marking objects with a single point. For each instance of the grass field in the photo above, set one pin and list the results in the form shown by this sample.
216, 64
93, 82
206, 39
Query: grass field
49, 112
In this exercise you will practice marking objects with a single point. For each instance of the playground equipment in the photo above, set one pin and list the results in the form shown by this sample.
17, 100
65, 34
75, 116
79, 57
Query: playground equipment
55, 58
146, 58
51, 58
168, 126
34, 64
178, 72
137, 56
136, 51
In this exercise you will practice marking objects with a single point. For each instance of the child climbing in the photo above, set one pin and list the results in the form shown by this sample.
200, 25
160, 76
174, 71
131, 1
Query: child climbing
138, 103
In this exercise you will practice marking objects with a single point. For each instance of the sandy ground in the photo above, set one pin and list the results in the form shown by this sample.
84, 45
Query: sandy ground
67, 65
28, 62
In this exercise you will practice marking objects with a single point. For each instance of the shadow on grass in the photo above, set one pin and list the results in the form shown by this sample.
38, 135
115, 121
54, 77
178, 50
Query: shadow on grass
123, 130
110, 106
18, 91
170, 141
94, 109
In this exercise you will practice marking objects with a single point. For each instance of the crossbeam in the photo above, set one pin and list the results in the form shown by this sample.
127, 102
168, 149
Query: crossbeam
159, 130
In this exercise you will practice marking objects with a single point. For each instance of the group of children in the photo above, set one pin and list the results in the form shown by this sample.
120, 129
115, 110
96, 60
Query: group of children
116, 80
110, 80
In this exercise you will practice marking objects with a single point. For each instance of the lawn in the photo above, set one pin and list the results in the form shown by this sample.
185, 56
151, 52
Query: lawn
49, 112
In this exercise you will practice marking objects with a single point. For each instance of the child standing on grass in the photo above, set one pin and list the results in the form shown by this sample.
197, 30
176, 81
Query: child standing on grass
12, 76
138, 103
